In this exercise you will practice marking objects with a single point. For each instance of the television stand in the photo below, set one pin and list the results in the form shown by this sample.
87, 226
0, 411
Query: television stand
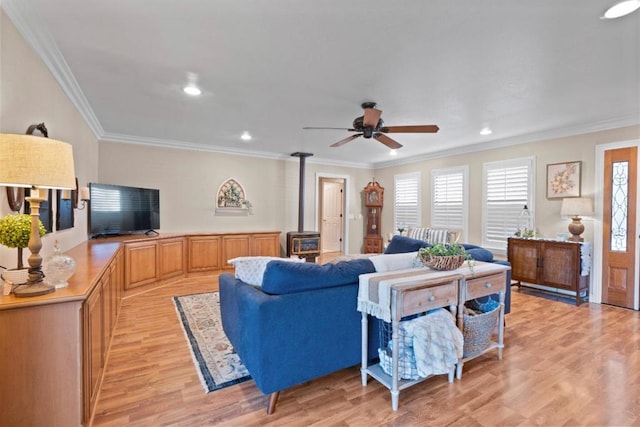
151, 233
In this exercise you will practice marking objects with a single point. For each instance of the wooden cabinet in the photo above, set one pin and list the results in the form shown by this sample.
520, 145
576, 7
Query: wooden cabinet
156, 259
266, 244
204, 253
93, 348
173, 258
234, 246
372, 245
238, 245
100, 313
141, 263
553, 264
61, 339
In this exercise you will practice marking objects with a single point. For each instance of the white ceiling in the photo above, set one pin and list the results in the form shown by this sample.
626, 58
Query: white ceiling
529, 70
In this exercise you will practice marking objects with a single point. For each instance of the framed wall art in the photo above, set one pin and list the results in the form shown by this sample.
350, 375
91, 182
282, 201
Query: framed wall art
563, 180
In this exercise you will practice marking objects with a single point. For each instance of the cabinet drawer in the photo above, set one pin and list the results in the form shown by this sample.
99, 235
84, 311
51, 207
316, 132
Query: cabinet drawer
485, 285
424, 299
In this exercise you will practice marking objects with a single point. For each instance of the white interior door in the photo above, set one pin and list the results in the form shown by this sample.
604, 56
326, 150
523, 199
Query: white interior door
332, 214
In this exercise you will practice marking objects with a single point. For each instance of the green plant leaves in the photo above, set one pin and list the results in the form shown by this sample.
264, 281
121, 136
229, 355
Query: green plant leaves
15, 230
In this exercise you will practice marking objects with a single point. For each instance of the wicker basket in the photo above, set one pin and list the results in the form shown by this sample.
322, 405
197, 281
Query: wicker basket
477, 331
448, 262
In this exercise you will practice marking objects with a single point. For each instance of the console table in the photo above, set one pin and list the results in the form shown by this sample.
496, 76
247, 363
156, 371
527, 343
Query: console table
423, 289
416, 294
481, 280
551, 263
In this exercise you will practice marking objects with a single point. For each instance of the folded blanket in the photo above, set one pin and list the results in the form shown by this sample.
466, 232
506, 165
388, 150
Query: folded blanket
437, 342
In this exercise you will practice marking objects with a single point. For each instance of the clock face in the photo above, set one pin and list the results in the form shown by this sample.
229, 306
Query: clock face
374, 197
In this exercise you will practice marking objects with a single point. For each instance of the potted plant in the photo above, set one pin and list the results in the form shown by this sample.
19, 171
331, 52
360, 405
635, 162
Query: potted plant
15, 230
443, 257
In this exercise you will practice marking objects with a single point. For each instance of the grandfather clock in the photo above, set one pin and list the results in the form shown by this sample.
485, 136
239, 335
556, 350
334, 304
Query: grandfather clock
373, 200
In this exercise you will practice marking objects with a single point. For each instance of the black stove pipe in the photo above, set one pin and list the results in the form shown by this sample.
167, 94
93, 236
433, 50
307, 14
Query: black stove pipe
302, 157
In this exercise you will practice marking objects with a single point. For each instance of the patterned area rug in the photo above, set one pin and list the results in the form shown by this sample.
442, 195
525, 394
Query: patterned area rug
217, 364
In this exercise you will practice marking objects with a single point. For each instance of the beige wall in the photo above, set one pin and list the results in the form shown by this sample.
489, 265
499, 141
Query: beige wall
29, 94
547, 211
189, 180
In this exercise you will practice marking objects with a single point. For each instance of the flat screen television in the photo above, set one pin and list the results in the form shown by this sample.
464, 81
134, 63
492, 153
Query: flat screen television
117, 210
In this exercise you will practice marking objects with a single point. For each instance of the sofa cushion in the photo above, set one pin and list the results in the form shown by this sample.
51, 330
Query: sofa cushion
419, 233
480, 254
402, 244
250, 269
287, 277
391, 262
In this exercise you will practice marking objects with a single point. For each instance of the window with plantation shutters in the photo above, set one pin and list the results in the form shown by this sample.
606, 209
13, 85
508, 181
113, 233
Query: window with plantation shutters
449, 198
407, 205
507, 188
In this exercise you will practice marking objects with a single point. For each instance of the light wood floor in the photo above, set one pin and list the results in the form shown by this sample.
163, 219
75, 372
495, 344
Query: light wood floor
563, 366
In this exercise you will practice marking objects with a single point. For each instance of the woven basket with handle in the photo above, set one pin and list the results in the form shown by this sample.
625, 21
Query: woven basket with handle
442, 262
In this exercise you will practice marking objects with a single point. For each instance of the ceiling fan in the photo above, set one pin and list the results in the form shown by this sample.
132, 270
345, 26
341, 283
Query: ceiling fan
370, 125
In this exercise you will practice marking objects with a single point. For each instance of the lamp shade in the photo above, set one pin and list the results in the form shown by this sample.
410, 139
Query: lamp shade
34, 161
576, 206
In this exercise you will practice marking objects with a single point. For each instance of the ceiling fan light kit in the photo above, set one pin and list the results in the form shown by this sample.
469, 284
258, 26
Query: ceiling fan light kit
621, 9
370, 125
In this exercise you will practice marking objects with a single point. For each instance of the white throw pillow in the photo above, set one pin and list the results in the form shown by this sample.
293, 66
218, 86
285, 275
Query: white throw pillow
250, 269
392, 262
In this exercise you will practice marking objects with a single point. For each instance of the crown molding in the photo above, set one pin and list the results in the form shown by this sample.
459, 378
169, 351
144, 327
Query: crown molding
32, 29
183, 145
484, 145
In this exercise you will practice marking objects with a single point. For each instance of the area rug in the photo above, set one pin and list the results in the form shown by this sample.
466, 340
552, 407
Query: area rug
217, 364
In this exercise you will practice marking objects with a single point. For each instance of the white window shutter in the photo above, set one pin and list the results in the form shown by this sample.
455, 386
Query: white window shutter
507, 188
449, 198
407, 204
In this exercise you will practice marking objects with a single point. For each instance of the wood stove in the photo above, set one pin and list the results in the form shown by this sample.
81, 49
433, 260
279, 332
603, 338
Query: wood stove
303, 244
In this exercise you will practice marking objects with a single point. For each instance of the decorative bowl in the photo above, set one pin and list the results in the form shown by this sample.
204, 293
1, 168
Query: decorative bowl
442, 262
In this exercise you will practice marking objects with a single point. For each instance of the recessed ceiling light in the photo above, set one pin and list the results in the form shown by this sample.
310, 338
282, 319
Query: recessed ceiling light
486, 131
393, 152
621, 9
246, 136
192, 90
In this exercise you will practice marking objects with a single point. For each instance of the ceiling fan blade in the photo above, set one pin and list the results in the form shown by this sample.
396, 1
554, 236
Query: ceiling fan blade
313, 127
410, 129
371, 117
387, 141
344, 141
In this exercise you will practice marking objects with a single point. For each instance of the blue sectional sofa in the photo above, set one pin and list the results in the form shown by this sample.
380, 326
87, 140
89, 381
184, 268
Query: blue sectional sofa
301, 323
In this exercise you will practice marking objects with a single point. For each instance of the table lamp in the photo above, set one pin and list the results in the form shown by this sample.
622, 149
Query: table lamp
37, 163
575, 207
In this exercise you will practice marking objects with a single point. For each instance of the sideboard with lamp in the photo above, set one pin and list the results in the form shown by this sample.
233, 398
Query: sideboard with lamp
553, 264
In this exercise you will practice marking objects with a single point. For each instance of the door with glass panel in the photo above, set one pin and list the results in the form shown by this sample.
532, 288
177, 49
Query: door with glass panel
619, 226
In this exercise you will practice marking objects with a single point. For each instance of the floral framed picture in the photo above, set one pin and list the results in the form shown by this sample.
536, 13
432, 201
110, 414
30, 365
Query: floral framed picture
563, 180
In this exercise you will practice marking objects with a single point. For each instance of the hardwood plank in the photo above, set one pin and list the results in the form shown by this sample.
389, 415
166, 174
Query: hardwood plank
562, 365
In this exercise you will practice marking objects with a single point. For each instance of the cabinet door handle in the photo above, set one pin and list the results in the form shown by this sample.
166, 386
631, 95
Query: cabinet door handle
431, 298
487, 285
